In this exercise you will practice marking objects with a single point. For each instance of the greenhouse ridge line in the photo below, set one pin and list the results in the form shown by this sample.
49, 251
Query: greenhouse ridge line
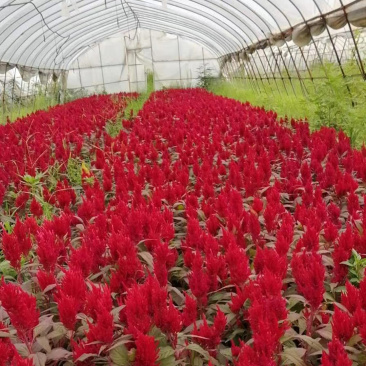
112, 31
236, 32
272, 39
108, 33
252, 39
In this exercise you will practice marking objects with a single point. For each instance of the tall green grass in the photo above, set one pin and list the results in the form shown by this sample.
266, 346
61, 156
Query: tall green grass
328, 100
25, 107
135, 105
132, 109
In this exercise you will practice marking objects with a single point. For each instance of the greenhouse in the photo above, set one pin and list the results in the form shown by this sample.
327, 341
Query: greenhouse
182, 182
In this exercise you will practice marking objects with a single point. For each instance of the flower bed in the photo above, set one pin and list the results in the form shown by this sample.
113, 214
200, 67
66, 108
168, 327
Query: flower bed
206, 232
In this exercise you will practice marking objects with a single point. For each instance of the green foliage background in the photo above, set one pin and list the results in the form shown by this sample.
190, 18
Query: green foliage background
328, 100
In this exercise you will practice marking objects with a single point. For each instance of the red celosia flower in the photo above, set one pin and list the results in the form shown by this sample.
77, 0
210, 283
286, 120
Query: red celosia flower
73, 284
351, 298
363, 293
238, 264
7, 349
36, 208
65, 195
210, 336
257, 205
270, 214
147, 353
146, 305
22, 198
309, 241
164, 259
11, 249
199, 280
45, 279
238, 301
330, 232
70, 297
97, 300
309, 272
342, 325
337, 355
268, 259
48, 249
189, 314
267, 315
137, 311
68, 308
213, 224
19, 361
254, 226
81, 259
21, 308
80, 349
201, 159
102, 330
18, 242
48, 197
342, 252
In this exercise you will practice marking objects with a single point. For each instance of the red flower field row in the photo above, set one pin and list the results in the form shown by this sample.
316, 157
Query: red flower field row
207, 232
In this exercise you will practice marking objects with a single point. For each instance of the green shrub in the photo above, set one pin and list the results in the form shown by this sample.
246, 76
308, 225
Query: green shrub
329, 100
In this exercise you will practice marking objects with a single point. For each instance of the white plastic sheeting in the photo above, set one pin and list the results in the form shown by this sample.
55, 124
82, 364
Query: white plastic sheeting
110, 45
121, 63
50, 34
13, 85
332, 20
271, 63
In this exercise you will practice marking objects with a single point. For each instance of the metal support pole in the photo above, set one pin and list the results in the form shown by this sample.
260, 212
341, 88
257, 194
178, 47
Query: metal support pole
101, 66
152, 59
180, 69
359, 59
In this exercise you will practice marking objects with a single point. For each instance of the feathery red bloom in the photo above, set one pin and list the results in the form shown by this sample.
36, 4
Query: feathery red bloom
337, 355
146, 351
309, 273
238, 264
21, 308
342, 325
36, 208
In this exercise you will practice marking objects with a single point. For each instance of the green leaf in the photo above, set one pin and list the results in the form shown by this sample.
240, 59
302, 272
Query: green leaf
226, 352
44, 343
58, 354
354, 340
59, 331
147, 258
43, 327
165, 352
166, 356
325, 333
293, 356
313, 343
197, 361
159, 336
121, 340
119, 355
347, 263
5, 335
22, 349
39, 359
197, 348
85, 356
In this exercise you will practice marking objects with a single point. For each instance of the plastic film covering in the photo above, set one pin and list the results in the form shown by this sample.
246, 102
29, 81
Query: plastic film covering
111, 45
50, 34
173, 60
327, 18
